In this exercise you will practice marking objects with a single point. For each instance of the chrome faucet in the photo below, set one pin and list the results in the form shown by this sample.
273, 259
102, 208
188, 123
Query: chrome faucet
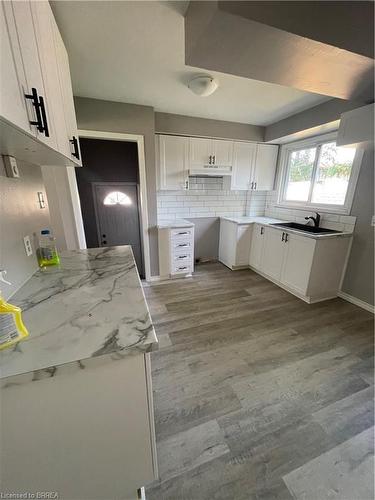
315, 219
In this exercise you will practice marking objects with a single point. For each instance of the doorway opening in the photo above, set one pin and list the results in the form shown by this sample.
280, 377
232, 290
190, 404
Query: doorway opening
109, 186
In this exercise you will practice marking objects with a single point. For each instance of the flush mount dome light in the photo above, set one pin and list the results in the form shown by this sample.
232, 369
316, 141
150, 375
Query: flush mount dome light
117, 198
203, 85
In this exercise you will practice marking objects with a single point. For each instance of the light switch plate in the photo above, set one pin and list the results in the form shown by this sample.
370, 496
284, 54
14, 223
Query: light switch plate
28, 247
11, 166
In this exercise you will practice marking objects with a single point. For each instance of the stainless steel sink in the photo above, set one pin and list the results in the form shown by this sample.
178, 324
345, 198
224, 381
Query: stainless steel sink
305, 228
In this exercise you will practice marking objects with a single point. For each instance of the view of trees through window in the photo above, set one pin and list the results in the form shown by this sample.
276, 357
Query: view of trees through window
319, 174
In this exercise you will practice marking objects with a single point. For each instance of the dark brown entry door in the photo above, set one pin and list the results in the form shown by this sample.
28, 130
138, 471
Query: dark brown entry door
117, 213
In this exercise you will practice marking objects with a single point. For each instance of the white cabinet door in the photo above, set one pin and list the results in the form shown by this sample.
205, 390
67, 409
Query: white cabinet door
67, 96
200, 151
44, 27
273, 253
265, 167
222, 153
12, 76
299, 254
243, 244
243, 161
256, 250
172, 162
26, 38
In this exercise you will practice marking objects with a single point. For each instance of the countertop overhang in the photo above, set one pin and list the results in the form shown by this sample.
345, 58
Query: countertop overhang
91, 305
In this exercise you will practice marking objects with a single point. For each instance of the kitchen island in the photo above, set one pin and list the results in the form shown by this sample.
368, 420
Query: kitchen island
76, 396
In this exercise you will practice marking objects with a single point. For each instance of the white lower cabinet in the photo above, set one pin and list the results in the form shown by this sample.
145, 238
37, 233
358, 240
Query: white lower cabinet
307, 267
176, 251
97, 423
297, 263
234, 244
272, 253
256, 247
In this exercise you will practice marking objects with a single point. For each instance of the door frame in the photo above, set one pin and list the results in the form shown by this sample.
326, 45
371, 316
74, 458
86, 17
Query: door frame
139, 139
119, 183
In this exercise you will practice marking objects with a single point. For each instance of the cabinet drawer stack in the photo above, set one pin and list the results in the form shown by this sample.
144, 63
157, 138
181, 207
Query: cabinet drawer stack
176, 251
182, 250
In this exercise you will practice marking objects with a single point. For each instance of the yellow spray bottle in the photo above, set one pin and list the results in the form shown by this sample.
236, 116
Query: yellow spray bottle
12, 329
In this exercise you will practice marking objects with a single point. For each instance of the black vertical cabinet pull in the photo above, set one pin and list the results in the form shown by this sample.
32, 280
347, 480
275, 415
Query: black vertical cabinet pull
35, 102
44, 116
74, 141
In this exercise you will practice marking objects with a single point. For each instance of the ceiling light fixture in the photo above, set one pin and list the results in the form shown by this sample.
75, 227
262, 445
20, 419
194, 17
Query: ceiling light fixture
203, 85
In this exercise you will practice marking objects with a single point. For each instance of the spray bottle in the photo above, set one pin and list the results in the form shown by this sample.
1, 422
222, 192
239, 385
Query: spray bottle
12, 329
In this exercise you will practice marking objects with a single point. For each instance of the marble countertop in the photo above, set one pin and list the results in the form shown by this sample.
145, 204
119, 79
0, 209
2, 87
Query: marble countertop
267, 221
175, 223
91, 305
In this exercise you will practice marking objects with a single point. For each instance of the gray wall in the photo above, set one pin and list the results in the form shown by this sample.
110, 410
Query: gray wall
206, 237
20, 215
311, 118
166, 123
359, 277
107, 116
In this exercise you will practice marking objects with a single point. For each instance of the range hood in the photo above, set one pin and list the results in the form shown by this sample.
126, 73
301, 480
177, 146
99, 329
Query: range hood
210, 171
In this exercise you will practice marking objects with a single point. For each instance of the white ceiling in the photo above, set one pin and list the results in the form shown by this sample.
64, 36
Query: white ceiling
133, 51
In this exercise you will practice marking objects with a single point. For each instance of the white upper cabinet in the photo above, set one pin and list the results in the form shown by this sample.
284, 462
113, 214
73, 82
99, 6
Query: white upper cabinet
33, 92
212, 152
172, 162
264, 167
243, 161
71, 132
13, 80
200, 152
254, 166
222, 152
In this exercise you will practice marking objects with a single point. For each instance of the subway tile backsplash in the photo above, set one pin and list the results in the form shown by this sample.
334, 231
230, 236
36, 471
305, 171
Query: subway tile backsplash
207, 197
329, 221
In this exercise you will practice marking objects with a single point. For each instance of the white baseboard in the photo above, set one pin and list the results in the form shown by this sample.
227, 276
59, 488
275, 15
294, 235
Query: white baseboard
357, 302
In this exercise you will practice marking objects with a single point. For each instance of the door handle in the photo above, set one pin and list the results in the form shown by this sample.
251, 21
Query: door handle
74, 141
283, 236
261, 230
286, 237
255, 185
209, 161
214, 159
251, 186
182, 256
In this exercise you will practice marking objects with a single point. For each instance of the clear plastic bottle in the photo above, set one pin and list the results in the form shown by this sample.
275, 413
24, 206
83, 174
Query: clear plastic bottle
47, 252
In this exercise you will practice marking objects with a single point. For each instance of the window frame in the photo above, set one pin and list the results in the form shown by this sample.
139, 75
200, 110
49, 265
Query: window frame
288, 149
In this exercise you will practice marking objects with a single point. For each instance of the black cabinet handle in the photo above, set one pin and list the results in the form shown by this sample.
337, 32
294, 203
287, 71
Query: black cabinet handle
214, 160
44, 116
286, 237
283, 236
255, 185
36, 103
261, 230
74, 141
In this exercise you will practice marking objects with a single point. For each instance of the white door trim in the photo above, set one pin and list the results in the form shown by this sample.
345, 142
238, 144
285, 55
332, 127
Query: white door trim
139, 139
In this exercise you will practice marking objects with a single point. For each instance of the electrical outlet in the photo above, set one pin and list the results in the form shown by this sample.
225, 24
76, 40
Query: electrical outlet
11, 166
28, 247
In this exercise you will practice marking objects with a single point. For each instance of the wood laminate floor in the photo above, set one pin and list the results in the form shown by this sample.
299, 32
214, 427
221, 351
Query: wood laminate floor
257, 394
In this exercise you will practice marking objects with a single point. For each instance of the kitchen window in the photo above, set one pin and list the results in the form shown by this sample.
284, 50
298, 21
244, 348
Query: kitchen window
318, 174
